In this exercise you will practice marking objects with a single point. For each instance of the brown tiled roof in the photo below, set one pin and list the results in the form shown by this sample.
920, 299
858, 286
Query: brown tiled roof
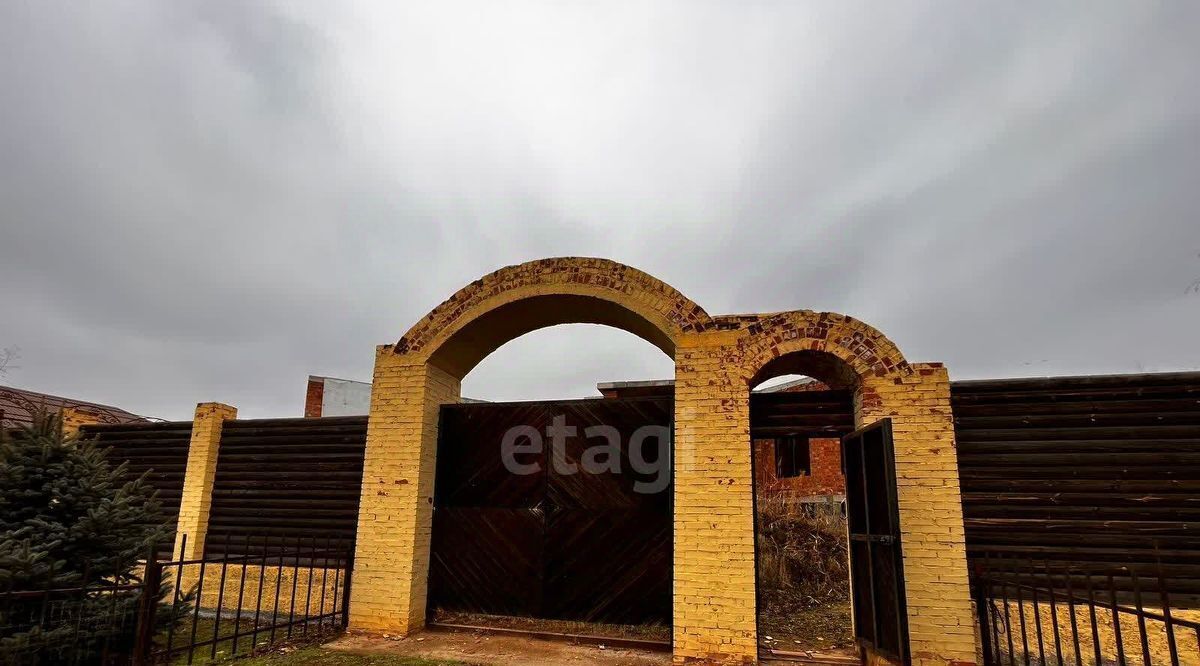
17, 407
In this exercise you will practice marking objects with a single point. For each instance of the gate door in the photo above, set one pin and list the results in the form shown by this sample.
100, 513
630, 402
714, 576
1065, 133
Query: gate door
546, 538
876, 566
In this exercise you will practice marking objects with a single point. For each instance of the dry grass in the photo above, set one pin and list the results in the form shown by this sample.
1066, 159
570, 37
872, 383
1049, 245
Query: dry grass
802, 549
803, 574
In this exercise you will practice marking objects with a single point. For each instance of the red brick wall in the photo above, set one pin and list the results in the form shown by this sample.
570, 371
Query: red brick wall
826, 478
313, 399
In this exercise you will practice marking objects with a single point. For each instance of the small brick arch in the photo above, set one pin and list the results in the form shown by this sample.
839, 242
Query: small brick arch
515, 300
846, 349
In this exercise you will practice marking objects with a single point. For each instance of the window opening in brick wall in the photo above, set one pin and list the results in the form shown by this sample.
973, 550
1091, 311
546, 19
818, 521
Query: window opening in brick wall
792, 457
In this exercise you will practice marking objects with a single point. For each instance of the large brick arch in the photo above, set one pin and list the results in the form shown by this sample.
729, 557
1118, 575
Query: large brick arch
515, 300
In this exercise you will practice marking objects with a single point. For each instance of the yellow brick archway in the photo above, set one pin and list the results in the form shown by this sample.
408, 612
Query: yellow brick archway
849, 353
716, 359
423, 371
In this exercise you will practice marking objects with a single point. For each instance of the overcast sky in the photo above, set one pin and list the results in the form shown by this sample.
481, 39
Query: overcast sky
210, 201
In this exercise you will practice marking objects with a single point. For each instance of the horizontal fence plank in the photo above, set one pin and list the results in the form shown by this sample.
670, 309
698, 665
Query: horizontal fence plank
156, 450
293, 479
810, 414
1087, 472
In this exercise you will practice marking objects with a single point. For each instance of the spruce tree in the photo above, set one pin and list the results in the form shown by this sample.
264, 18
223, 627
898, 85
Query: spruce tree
69, 520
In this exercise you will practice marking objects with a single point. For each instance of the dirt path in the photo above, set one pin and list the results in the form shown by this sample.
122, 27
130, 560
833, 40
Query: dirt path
477, 648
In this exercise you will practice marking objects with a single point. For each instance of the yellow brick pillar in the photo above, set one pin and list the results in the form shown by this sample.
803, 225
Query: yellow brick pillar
391, 561
72, 419
714, 576
941, 623
199, 476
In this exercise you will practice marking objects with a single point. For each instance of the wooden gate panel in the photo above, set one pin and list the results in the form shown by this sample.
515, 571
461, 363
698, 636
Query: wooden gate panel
620, 489
470, 468
608, 566
487, 560
561, 543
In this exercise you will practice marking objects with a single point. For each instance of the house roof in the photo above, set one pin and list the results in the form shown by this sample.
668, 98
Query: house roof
665, 386
17, 407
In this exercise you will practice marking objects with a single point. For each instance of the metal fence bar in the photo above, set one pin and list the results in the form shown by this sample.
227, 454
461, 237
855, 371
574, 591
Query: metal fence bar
1053, 614
220, 595
1021, 615
82, 597
147, 609
112, 615
175, 596
1141, 618
1092, 616
337, 571
262, 568
1074, 620
278, 582
295, 579
312, 557
1037, 620
324, 571
980, 596
1166, 610
196, 610
237, 616
1116, 619
348, 563
1007, 617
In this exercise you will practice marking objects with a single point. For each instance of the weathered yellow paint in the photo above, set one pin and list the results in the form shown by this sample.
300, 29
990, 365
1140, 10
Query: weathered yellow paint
201, 471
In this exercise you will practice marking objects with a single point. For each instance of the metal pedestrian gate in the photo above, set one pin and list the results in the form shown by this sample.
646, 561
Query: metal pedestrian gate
575, 530
876, 565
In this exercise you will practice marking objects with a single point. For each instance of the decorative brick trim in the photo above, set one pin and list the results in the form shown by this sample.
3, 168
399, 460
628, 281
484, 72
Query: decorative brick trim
602, 278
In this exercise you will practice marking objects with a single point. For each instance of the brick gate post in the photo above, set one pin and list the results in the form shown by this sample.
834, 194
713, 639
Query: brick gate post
391, 558
201, 471
714, 592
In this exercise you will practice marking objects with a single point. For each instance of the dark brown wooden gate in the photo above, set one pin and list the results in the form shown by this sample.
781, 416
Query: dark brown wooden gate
552, 544
876, 565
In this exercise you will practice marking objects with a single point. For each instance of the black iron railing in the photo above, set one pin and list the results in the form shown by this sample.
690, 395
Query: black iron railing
260, 591
91, 622
1041, 613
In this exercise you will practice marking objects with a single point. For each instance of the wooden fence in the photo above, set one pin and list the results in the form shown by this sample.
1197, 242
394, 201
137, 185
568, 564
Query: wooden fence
1085, 472
295, 479
159, 450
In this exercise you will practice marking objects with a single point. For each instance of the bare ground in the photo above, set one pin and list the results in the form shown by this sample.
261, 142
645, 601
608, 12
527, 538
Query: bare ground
483, 649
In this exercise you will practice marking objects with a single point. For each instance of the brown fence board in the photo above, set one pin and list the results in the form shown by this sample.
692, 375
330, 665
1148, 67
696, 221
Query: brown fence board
158, 450
294, 479
804, 414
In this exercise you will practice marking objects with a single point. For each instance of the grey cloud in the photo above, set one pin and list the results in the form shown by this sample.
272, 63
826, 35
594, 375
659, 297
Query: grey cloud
209, 201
